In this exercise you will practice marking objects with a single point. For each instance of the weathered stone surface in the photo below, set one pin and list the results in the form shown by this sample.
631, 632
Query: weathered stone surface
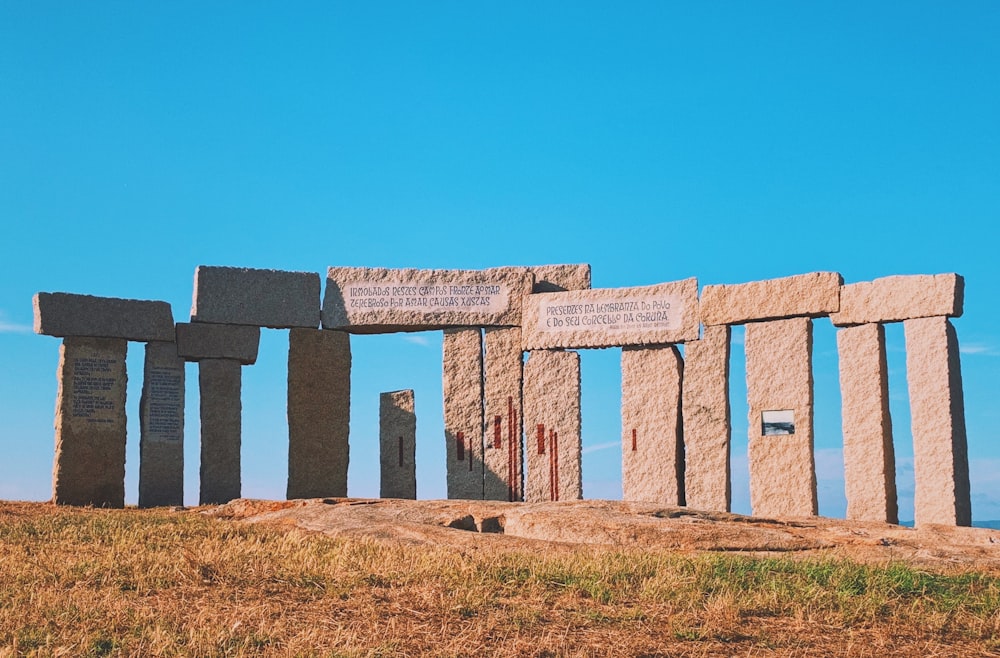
869, 459
502, 452
779, 383
197, 341
937, 412
397, 445
377, 300
462, 382
898, 298
609, 317
809, 295
220, 386
319, 412
707, 423
652, 442
259, 298
90, 423
552, 426
557, 278
65, 314
161, 427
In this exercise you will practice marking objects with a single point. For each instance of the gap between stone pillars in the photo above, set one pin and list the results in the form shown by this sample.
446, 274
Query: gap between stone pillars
161, 425
220, 387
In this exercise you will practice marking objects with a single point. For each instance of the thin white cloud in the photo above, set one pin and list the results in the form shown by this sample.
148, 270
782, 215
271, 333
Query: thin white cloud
417, 339
978, 348
601, 446
7, 327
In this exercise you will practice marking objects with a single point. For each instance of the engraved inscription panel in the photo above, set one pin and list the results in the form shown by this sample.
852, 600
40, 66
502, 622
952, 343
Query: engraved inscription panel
426, 295
626, 313
164, 404
95, 389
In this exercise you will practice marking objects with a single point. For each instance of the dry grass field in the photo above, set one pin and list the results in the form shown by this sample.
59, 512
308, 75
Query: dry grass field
85, 582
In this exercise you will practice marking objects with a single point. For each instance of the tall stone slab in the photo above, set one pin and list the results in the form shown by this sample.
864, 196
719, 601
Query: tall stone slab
89, 466
220, 385
259, 298
319, 412
937, 411
502, 446
707, 422
463, 412
652, 438
161, 427
397, 445
552, 426
780, 398
869, 459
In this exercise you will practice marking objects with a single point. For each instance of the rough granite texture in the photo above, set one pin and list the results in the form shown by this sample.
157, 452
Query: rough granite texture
552, 426
898, 298
779, 377
397, 445
89, 467
937, 413
259, 298
611, 317
220, 384
319, 412
707, 421
556, 278
64, 314
462, 382
377, 300
502, 451
652, 441
197, 341
809, 295
869, 458
161, 427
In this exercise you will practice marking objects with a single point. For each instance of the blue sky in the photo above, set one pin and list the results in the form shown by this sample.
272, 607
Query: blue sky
656, 141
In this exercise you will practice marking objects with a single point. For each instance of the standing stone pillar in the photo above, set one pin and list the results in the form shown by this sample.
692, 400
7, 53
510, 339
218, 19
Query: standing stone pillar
707, 423
161, 426
502, 452
90, 423
397, 445
869, 459
552, 423
462, 382
652, 440
319, 410
780, 397
937, 411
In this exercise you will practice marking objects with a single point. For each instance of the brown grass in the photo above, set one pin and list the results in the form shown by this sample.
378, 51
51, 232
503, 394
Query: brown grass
80, 582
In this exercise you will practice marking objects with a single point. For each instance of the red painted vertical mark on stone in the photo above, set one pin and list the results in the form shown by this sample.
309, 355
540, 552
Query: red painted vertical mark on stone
554, 458
400, 452
497, 432
511, 451
541, 439
460, 446
470, 454
633, 439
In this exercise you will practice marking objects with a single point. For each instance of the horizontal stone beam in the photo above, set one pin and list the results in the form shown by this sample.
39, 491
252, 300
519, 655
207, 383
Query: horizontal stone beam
899, 298
197, 341
805, 295
85, 316
376, 300
259, 298
610, 317
557, 278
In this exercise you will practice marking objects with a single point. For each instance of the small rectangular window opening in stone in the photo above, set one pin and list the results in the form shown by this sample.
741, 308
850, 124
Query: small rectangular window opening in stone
776, 423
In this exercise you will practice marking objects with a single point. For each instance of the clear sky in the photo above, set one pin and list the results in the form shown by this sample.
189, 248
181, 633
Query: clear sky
654, 140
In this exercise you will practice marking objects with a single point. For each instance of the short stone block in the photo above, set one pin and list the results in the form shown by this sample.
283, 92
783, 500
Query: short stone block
558, 278
610, 317
898, 298
652, 441
552, 426
68, 315
319, 413
397, 445
462, 382
90, 423
502, 452
809, 295
161, 426
220, 387
197, 341
259, 298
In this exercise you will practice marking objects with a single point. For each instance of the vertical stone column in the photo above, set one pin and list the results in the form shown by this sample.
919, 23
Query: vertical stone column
397, 445
937, 410
319, 411
780, 398
220, 384
552, 425
707, 422
90, 423
652, 441
869, 460
463, 411
161, 427
502, 452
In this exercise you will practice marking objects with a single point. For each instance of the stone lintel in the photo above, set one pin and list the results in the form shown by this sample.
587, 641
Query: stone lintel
899, 298
397, 445
804, 295
198, 340
66, 314
557, 278
258, 298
